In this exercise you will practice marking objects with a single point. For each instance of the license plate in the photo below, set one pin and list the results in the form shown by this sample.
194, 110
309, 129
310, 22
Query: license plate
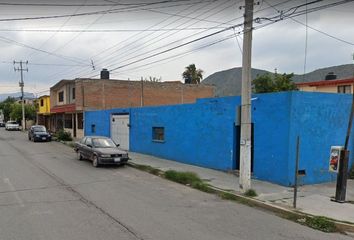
44, 138
116, 159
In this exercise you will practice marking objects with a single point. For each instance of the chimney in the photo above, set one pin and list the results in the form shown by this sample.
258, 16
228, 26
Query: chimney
331, 76
104, 73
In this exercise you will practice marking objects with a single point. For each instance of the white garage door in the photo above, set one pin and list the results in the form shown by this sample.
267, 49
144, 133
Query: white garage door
120, 130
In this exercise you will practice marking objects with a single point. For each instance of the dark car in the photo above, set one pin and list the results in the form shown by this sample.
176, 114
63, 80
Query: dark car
101, 151
38, 133
2, 124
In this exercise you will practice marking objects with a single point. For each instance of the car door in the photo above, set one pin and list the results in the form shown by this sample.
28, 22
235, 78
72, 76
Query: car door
87, 148
79, 145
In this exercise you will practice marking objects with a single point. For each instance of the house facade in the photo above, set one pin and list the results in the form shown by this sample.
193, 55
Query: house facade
205, 133
43, 113
69, 99
330, 85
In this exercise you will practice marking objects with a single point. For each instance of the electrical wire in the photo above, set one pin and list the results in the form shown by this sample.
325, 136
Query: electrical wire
112, 11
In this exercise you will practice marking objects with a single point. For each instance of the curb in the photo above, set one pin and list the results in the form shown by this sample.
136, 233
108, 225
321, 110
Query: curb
283, 212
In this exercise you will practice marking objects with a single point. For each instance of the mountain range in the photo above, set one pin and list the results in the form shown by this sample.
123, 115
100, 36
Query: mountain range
228, 82
3, 96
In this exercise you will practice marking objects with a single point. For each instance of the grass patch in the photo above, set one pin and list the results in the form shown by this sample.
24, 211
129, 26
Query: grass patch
190, 179
321, 223
251, 193
186, 178
149, 169
317, 222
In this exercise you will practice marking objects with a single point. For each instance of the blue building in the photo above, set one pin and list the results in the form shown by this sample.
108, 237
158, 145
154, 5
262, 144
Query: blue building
205, 133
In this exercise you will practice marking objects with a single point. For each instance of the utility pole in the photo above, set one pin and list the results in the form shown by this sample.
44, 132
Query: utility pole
245, 143
21, 83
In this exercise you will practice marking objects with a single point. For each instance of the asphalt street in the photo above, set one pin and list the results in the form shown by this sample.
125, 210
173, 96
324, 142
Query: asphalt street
45, 193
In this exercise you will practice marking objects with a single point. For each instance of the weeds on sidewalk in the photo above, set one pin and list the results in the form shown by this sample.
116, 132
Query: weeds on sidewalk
193, 180
321, 223
351, 173
149, 169
251, 193
188, 178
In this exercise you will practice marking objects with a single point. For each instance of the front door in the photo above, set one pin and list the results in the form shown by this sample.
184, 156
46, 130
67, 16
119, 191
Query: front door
120, 130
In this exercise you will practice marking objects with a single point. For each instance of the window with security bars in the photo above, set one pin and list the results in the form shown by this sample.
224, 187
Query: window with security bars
345, 89
158, 134
61, 96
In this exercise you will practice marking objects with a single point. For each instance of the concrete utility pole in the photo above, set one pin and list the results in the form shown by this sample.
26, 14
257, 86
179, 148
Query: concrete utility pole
21, 83
245, 143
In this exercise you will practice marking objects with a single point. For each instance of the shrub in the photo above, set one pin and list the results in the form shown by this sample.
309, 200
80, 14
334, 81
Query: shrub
63, 136
251, 193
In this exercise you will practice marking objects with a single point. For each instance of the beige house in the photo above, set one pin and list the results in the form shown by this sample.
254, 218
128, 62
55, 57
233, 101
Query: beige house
330, 85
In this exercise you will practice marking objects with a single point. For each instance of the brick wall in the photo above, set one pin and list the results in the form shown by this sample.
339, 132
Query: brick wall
107, 94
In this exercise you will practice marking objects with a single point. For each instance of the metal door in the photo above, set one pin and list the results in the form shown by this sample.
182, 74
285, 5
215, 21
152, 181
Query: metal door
120, 130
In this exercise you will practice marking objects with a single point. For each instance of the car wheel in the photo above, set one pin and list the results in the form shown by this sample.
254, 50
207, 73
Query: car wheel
79, 156
29, 138
95, 161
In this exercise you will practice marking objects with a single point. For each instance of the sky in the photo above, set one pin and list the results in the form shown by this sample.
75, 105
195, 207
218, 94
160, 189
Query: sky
159, 38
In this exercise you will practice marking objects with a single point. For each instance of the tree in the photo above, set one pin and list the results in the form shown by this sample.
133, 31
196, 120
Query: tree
16, 112
192, 75
274, 83
6, 107
153, 79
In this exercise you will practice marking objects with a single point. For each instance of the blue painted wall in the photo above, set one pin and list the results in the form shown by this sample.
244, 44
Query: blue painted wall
203, 133
321, 121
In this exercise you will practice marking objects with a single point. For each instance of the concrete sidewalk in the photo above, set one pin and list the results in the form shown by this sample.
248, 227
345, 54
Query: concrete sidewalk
312, 199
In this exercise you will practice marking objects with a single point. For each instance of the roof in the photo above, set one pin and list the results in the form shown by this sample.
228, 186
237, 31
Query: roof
326, 82
61, 83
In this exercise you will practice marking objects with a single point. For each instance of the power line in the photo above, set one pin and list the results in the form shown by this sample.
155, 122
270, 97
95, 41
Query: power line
314, 29
140, 38
88, 5
177, 13
198, 39
156, 39
112, 11
10, 41
108, 30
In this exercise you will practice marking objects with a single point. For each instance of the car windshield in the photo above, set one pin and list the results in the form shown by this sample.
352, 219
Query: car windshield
103, 143
39, 129
12, 122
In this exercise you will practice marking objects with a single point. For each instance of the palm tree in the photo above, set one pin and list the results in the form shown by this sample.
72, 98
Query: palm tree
192, 75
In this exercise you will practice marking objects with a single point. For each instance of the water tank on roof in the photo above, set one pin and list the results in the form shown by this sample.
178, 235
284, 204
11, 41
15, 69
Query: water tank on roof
331, 76
104, 73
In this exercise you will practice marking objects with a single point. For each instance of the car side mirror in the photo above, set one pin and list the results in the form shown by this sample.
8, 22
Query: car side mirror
118, 145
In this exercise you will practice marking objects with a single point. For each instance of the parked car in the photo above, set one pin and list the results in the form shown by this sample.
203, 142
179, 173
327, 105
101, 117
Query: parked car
2, 124
12, 125
39, 133
101, 151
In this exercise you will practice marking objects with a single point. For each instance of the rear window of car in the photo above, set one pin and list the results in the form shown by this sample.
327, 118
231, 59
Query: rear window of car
39, 129
12, 122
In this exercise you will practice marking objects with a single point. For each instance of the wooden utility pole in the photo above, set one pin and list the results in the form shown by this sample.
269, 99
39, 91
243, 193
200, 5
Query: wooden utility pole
245, 143
21, 83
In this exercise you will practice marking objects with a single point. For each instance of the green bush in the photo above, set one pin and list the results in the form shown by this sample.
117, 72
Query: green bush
61, 135
250, 193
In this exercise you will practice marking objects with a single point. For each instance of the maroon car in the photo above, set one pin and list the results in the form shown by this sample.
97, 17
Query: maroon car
101, 151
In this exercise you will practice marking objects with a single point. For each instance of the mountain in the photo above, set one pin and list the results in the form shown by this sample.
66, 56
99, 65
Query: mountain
228, 82
3, 96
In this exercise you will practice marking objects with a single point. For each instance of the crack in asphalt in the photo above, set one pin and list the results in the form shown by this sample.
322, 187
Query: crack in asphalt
70, 188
